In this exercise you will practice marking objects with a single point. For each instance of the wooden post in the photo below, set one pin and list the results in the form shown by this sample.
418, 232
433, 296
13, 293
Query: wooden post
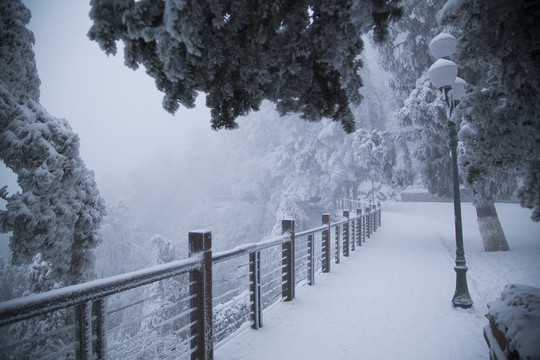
368, 221
200, 242
359, 227
352, 234
311, 259
326, 244
379, 212
98, 307
346, 245
364, 225
338, 254
83, 315
374, 219
287, 277
255, 289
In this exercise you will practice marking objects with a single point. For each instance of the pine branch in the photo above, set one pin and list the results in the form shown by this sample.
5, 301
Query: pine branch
4, 193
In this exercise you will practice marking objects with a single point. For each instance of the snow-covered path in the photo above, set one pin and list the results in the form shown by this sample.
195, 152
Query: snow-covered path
391, 298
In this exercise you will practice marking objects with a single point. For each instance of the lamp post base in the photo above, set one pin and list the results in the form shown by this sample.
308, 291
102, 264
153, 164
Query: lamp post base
461, 297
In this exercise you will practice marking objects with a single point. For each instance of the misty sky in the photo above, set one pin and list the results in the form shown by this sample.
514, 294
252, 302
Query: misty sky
115, 111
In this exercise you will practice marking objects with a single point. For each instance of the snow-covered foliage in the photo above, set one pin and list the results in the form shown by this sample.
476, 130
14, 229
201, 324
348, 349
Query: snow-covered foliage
498, 49
407, 56
59, 209
300, 56
517, 315
241, 184
229, 315
122, 248
12, 280
423, 122
165, 295
17, 64
38, 277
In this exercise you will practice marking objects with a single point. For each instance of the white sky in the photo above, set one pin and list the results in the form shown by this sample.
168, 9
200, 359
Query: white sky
115, 111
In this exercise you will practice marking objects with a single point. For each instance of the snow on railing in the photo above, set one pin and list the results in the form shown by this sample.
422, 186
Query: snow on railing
182, 308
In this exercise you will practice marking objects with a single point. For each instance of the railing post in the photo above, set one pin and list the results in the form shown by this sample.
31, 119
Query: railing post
287, 278
346, 244
99, 327
326, 244
338, 254
311, 259
352, 233
363, 225
368, 221
255, 284
200, 242
87, 329
83, 315
379, 212
375, 221
359, 227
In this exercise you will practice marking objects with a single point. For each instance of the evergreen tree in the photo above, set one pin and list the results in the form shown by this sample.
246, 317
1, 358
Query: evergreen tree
32, 334
406, 55
423, 123
59, 210
301, 55
407, 60
499, 50
12, 280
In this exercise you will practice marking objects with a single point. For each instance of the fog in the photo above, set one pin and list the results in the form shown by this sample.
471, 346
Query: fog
159, 173
115, 111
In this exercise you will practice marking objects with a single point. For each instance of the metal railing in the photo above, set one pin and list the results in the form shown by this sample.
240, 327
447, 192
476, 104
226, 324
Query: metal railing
179, 309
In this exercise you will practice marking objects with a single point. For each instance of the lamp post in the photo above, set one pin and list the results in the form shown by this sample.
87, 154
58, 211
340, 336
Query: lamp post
443, 75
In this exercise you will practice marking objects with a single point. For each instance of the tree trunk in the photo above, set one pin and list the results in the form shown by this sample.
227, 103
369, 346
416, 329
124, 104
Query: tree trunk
490, 228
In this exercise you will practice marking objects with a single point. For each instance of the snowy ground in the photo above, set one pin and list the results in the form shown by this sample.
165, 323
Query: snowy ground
391, 298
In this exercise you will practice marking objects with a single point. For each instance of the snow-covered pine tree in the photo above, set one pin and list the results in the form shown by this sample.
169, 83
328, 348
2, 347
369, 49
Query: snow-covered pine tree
499, 51
59, 210
406, 55
38, 276
301, 55
12, 280
407, 58
423, 121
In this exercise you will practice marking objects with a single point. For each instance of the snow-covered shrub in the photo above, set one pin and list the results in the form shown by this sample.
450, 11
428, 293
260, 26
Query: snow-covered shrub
516, 314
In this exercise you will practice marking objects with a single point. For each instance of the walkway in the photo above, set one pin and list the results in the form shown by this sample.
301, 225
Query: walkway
389, 300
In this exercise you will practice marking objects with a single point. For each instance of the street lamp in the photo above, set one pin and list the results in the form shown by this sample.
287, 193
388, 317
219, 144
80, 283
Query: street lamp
443, 75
